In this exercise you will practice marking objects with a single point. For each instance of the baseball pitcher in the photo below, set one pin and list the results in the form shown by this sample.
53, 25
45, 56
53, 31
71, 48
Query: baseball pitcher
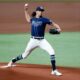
38, 24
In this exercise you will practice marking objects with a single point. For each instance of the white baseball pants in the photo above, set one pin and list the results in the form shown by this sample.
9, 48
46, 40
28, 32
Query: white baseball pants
34, 43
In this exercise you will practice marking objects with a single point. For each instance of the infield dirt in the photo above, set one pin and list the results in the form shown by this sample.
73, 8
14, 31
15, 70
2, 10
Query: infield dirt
37, 72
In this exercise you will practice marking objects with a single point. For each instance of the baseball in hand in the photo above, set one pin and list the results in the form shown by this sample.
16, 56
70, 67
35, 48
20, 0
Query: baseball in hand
26, 4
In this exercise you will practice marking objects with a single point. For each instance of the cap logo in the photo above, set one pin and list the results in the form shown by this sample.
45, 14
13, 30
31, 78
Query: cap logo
41, 7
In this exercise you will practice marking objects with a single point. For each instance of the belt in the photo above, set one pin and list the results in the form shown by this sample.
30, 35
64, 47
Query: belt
39, 38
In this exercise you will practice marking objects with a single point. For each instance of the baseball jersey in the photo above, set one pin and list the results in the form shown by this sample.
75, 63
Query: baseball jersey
38, 26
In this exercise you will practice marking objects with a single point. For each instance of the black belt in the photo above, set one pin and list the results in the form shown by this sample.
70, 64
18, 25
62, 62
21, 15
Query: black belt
39, 38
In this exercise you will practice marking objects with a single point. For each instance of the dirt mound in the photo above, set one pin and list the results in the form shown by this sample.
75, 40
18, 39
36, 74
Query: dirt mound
37, 72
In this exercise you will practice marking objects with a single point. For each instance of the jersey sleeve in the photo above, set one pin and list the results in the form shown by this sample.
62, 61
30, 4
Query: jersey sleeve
48, 21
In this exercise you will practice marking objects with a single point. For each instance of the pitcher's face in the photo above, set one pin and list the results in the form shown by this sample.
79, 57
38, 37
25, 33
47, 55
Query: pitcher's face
39, 13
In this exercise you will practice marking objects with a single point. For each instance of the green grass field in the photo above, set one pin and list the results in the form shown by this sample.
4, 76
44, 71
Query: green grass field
66, 45
39, 0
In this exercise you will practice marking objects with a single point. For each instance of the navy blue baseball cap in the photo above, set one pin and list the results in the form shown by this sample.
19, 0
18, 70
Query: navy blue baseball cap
40, 8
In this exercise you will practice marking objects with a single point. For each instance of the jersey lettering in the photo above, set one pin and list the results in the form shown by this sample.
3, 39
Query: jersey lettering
36, 23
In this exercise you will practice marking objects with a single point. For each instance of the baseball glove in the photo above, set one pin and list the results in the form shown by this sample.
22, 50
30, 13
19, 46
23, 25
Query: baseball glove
54, 31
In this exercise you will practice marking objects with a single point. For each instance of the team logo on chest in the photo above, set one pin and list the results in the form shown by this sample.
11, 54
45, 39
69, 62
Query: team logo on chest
36, 23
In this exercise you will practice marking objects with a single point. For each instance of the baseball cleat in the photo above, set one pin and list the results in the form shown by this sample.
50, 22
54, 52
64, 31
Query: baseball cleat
6, 66
9, 65
56, 72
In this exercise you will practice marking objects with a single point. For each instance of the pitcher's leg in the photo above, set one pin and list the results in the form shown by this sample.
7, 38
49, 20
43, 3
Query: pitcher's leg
47, 47
23, 55
31, 45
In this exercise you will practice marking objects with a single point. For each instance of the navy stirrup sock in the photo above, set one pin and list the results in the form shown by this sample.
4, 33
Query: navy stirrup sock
53, 62
17, 58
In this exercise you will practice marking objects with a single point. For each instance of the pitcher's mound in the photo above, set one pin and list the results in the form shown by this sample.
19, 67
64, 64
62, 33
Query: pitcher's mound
37, 72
